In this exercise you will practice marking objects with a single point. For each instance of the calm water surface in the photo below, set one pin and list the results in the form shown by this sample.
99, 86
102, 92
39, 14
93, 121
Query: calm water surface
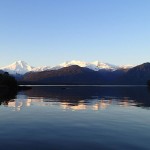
75, 118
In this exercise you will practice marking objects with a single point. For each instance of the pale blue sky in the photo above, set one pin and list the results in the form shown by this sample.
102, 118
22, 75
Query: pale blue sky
49, 32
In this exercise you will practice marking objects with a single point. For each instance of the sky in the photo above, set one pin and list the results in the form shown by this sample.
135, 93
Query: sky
49, 32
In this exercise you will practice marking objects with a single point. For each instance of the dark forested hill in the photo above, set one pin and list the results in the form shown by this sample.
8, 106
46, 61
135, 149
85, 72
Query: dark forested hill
7, 81
68, 75
138, 75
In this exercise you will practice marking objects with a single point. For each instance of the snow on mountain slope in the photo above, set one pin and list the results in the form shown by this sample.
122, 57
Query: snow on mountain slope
19, 67
70, 63
106, 66
37, 69
94, 65
126, 66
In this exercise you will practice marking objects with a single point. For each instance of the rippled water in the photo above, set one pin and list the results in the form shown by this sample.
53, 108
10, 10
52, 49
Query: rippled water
75, 118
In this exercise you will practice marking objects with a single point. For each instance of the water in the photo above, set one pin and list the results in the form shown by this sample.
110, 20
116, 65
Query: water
75, 118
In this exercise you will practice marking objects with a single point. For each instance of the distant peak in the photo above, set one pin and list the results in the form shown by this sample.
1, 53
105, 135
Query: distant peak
20, 67
73, 62
96, 62
20, 62
76, 61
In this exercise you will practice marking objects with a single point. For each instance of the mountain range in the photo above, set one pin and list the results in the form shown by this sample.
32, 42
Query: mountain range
79, 72
21, 67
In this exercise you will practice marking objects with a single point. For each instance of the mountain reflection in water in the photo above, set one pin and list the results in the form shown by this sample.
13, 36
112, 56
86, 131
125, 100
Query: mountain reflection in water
75, 118
77, 98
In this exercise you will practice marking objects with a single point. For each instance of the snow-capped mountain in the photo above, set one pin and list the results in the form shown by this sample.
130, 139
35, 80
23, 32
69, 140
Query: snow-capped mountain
21, 67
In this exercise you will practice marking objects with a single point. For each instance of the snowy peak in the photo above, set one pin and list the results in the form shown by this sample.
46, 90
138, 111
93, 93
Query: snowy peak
18, 67
21, 67
20, 62
102, 65
70, 63
73, 62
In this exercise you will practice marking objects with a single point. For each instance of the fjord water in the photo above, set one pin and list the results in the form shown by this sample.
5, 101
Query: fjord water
75, 118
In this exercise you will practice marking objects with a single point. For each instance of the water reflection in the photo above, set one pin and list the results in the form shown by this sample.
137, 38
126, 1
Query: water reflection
95, 105
7, 95
77, 98
99, 97
100, 104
